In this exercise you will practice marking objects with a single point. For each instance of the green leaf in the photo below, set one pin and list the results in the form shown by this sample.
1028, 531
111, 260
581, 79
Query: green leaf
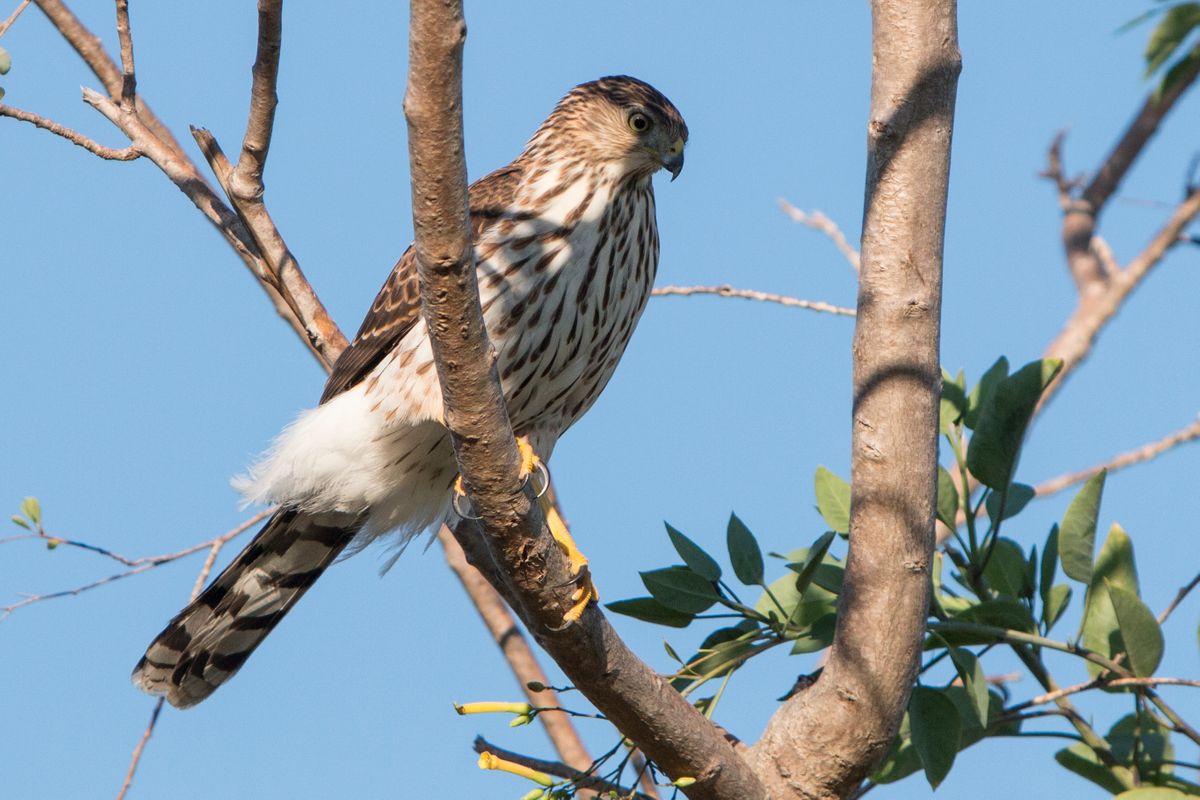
671, 652
1015, 500
5, 61
947, 499
1176, 73
680, 589
970, 671
744, 553
1080, 759
32, 509
953, 403
1139, 630
983, 390
694, 556
1054, 604
1000, 613
1005, 571
1176, 24
1049, 567
1115, 563
818, 637
833, 499
1141, 735
935, 729
816, 555
647, 609
1077, 533
18, 520
993, 451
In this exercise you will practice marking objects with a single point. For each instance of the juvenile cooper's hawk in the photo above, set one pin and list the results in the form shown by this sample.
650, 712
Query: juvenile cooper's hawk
566, 247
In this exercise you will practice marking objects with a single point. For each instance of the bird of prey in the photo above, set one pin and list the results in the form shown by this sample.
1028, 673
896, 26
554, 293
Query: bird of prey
566, 247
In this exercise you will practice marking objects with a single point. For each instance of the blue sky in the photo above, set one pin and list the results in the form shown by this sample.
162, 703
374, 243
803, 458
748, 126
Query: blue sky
144, 368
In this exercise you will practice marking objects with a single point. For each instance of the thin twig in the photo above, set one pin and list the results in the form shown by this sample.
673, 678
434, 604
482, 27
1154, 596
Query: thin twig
1141, 454
819, 222
581, 778
1099, 683
1179, 596
141, 746
128, 79
92, 146
139, 565
4, 26
247, 178
750, 294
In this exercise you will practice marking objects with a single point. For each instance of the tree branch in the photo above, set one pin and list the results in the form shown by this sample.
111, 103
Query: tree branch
1081, 212
819, 222
128, 79
512, 545
1144, 453
749, 294
108, 153
8, 23
825, 740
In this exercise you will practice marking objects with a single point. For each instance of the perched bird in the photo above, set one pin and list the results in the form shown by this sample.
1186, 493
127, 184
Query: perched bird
566, 247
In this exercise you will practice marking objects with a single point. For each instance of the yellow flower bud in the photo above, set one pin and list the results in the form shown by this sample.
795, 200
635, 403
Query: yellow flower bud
683, 783
492, 708
489, 761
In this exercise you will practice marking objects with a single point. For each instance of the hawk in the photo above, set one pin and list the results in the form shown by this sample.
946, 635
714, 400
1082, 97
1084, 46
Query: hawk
566, 247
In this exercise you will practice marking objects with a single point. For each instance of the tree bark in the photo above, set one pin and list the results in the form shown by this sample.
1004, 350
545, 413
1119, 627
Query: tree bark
825, 740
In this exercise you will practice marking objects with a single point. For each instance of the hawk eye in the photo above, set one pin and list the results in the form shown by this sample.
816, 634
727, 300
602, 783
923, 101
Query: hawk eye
639, 122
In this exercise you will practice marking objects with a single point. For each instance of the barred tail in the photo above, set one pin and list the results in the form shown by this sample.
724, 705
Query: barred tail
207, 642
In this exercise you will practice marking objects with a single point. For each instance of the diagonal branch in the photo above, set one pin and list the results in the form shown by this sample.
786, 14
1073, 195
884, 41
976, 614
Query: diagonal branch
92, 146
1082, 211
8, 23
1144, 453
512, 546
823, 224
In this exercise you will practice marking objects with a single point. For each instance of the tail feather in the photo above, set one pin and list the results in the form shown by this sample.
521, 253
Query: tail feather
207, 642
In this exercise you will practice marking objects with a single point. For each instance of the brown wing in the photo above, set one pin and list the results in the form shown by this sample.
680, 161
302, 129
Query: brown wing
397, 307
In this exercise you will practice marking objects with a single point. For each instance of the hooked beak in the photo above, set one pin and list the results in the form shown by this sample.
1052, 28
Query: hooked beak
672, 160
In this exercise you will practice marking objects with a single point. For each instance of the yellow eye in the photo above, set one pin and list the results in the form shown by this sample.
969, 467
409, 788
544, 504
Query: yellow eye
639, 122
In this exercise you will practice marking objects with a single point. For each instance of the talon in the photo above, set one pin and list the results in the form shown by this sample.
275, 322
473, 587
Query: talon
586, 591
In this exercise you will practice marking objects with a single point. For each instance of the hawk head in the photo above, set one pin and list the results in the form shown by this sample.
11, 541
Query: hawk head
618, 119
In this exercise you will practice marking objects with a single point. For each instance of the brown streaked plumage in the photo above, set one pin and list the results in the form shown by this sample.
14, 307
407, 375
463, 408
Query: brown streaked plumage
566, 247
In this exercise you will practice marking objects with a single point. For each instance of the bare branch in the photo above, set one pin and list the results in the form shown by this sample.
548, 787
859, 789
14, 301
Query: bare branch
750, 294
280, 271
1099, 683
8, 23
825, 740
559, 770
819, 222
247, 179
517, 652
1081, 211
141, 747
1144, 453
128, 79
1097, 307
109, 153
91, 50
1179, 597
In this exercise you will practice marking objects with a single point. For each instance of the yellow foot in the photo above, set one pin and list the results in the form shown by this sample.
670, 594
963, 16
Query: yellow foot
585, 591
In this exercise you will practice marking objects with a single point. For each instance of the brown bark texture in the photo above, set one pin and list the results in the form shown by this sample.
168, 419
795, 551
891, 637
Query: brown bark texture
825, 740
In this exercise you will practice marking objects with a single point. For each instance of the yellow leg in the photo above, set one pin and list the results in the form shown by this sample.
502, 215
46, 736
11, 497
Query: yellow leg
586, 590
